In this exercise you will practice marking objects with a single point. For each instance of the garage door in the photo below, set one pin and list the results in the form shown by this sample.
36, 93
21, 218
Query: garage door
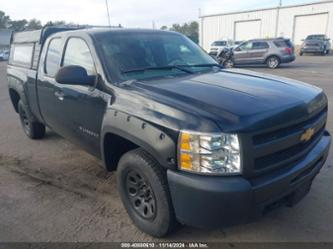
310, 24
246, 30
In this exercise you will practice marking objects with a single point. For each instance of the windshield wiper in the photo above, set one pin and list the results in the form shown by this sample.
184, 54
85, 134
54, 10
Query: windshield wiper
158, 68
202, 65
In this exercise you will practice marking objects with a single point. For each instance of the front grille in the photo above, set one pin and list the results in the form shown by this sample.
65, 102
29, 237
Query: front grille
283, 147
283, 132
312, 44
295, 150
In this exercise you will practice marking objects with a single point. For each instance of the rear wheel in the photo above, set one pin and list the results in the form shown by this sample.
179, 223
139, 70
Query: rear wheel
31, 127
143, 188
273, 62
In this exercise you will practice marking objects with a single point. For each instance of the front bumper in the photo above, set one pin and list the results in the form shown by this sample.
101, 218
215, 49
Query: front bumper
212, 202
312, 50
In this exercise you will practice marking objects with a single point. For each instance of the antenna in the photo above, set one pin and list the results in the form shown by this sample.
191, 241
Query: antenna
280, 3
108, 12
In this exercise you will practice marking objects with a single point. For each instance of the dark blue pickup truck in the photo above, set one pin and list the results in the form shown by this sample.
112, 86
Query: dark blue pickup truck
192, 143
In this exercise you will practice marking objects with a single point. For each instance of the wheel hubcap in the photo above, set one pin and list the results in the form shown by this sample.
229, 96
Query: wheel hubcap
273, 62
140, 195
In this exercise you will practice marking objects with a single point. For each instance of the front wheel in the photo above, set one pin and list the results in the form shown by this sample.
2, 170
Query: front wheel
31, 127
228, 64
144, 191
273, 62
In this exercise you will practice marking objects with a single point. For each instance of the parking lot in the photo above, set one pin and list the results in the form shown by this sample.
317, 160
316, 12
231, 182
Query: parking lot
50, 190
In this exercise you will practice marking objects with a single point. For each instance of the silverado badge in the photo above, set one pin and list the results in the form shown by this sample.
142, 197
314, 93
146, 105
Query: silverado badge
307, 135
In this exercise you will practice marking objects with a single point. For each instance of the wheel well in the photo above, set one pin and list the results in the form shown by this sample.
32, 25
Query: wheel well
114, 147
15, 98
273, 55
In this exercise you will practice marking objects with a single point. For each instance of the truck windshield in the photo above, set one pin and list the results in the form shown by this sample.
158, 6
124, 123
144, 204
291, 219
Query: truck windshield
315, 37
147, 55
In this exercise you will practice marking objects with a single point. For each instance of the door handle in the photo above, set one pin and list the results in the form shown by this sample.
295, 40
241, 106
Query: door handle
59, 95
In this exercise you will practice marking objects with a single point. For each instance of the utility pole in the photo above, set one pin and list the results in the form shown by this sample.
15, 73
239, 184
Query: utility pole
107, 9
278, 18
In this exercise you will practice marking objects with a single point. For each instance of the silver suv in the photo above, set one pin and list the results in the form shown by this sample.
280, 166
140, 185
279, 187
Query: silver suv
271, 52
316, 44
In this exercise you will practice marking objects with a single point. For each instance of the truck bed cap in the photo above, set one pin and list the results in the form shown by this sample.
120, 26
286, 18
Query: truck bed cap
39, 35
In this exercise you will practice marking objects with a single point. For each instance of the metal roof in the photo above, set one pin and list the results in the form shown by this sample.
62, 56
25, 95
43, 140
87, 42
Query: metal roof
264, 9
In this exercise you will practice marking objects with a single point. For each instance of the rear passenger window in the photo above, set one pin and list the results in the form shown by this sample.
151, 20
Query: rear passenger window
283, 44
22, 55
77, 53
260, 45
53, 56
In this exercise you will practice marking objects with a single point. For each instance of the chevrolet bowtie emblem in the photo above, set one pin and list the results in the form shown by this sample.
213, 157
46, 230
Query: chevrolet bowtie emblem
307, 135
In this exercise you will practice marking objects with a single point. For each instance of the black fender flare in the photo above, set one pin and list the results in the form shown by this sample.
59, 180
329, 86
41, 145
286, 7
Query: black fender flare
140, 132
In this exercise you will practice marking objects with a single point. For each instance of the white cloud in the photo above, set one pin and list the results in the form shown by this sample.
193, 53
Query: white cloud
129, 13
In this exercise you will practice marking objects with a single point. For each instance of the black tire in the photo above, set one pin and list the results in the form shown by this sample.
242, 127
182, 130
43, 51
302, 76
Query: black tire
229, 63
301, 53
273, 62
31, 127
140, 179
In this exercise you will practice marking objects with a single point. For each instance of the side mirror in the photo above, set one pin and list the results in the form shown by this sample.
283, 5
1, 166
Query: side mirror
237, 49
74, 75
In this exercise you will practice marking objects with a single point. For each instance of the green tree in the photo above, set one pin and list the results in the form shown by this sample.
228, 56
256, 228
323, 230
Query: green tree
59, 23
34, 24
4, 20
17, 25
191, 30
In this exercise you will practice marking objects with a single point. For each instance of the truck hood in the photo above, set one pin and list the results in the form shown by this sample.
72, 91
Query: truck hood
237, 99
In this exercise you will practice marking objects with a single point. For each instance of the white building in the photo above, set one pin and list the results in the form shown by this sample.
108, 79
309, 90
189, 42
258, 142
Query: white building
294, 22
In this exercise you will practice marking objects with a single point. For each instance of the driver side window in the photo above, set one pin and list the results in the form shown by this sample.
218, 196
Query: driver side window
77, 53
246, 46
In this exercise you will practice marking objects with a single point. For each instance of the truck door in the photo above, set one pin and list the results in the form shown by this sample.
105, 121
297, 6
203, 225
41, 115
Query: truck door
73, 111
84, 106
47, 88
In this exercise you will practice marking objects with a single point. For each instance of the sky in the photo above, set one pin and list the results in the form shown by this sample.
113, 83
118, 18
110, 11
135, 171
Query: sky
129, 13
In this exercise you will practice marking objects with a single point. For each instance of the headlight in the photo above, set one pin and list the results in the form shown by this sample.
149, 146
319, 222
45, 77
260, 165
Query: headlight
217, 154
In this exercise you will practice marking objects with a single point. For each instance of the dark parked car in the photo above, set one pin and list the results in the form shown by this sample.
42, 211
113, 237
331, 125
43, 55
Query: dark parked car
316, 44
191, 142
271, 52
